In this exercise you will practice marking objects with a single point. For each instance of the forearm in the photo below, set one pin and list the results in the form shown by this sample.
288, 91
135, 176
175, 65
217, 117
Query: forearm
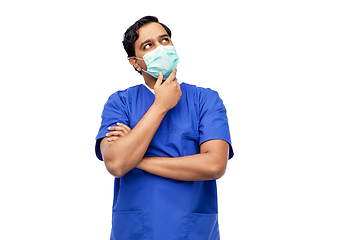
126, 152
199, 167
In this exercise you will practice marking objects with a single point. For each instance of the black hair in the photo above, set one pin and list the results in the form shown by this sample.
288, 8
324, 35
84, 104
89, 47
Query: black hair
132, 34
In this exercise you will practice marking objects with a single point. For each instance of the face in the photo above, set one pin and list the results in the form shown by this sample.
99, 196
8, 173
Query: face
151, 36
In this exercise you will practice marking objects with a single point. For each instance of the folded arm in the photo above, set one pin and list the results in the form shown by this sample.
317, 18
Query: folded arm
125, 153
125, 148
209, 164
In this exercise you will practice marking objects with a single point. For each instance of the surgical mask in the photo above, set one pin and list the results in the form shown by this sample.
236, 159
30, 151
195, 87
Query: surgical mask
163, 58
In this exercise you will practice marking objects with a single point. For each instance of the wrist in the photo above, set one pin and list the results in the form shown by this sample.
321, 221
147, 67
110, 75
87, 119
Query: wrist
159, 108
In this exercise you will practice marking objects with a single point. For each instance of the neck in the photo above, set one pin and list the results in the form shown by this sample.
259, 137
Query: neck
149, 80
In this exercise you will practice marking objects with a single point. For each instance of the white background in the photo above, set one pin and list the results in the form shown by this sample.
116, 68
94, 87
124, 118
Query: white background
287, 71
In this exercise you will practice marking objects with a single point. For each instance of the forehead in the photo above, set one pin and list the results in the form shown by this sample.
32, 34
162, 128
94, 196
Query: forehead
150, 31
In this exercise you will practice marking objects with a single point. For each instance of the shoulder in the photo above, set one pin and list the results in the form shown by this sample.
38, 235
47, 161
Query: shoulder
126, 92
200, 92
124, 95
120, 100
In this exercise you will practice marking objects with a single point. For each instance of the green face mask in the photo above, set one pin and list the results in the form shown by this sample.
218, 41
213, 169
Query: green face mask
163, 58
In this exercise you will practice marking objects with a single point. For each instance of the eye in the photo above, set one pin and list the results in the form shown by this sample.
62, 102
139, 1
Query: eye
165, 40
147, 46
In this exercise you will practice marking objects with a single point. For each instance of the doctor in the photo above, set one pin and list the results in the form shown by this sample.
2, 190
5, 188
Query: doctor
165, 143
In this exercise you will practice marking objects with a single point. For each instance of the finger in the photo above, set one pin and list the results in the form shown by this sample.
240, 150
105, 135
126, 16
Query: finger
113, 128
116, 133
159, 80
112, 139
119, 128
125, 126
172, 76
110, 134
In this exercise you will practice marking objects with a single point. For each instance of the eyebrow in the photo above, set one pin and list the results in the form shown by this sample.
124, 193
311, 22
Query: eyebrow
164, 35
145, 42
149, 40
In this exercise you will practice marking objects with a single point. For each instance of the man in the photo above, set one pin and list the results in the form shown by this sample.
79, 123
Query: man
165, 143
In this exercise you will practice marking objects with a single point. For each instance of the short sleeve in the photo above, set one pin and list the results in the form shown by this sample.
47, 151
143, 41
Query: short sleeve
115, 110
213, 119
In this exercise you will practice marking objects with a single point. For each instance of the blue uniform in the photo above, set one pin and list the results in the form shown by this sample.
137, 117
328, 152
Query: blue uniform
147, 206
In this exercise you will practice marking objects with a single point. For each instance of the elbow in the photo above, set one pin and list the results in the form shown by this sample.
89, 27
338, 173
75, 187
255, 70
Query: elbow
115, 163
114, 167
219, 169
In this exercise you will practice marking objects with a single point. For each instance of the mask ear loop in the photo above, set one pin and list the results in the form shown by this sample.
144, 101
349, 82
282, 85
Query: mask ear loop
136, 58
139, 59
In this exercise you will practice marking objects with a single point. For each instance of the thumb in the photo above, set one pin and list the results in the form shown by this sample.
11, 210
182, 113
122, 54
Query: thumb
159, 80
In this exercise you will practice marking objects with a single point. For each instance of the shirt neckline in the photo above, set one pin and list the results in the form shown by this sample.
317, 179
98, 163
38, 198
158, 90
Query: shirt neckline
152, 90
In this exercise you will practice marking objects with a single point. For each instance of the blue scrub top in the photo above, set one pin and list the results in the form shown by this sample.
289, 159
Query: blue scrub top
147, 206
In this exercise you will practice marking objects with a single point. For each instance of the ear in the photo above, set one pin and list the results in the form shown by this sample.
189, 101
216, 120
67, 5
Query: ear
135, 63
